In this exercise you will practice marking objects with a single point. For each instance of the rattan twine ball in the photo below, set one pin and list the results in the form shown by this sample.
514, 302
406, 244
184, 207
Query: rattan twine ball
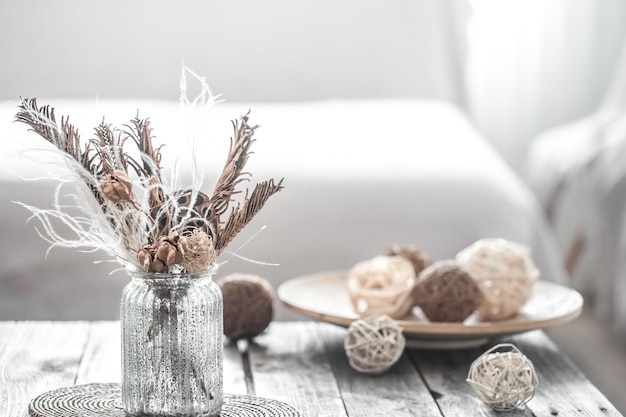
504, 272
418, 258
374, 344
503, 377
381, 285
445, 292
248, 305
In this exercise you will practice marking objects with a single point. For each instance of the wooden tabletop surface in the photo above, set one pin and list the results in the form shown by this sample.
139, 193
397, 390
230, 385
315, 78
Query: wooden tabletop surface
300, 363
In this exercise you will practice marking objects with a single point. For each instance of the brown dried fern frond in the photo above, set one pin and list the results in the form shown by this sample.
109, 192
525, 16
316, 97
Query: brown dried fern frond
232, 174
42, 121
243, 213
108, 147
72, 141
141, 133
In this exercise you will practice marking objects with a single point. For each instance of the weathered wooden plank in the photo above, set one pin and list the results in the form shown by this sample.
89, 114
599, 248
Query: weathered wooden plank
234, 375
101, 360
6, 332
445, 374
290, 364
300, 363
37, 357
398, 392
563, 390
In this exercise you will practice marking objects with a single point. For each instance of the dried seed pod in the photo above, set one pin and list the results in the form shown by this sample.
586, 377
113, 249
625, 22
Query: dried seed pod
118, 188
197, 250
144, 256
167, 251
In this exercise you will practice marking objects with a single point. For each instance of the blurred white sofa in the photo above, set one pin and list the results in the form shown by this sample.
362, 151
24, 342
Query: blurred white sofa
578, 172
359, 176
361, 172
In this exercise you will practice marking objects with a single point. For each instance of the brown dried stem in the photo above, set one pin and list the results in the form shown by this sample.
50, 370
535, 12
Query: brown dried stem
141, 133
242, 214
42, 121
232, 174
108, 147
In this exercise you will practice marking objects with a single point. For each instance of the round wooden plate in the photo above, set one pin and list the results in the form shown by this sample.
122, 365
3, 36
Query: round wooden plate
324, 297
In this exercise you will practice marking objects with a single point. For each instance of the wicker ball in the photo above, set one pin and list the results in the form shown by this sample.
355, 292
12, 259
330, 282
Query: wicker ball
381, 285
374, 344
248, 305
419, 259
445, 292
504, 380
504, 272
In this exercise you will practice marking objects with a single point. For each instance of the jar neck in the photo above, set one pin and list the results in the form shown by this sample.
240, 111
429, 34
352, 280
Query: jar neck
140, 275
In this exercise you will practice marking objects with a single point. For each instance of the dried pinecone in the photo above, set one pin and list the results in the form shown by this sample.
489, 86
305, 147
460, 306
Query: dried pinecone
167, 251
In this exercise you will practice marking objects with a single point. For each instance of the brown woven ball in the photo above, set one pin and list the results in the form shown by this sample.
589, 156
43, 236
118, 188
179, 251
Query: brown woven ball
419, 259
445, 292
248, 305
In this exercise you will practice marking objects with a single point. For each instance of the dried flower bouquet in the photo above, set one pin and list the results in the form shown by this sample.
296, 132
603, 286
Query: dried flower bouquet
172, 338
140, 221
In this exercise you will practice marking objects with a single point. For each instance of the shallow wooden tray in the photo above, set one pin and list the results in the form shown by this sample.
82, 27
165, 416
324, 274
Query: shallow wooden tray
324, 297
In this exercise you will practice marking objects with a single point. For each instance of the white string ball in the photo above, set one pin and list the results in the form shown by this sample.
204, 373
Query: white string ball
503, 377
381, 285
374, 344
505, 273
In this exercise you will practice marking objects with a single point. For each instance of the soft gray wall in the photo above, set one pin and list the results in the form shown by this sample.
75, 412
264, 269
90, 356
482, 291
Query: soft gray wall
248, 50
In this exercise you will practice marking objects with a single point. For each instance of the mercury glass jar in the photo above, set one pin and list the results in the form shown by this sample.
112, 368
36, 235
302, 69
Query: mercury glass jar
172, 349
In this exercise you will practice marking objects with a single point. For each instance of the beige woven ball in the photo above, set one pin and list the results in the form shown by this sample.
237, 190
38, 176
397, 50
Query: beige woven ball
505, 273
248, 305
374, 344
503, 377
381, 285
446, 293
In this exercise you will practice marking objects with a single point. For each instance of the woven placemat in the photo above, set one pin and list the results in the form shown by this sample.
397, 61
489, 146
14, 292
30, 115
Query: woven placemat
104, 400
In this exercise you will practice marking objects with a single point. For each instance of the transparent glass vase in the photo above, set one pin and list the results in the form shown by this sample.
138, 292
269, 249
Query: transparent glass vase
172, 345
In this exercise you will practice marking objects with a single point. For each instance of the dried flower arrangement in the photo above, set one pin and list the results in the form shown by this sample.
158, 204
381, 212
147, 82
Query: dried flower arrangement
141, 221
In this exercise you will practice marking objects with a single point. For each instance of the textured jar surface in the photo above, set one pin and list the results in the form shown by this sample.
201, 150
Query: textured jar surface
172, 345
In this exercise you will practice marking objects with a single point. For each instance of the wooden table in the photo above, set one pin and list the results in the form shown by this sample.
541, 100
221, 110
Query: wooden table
300, 363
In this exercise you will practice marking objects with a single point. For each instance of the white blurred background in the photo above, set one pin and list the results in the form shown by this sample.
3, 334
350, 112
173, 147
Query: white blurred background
517, 67
543, 81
